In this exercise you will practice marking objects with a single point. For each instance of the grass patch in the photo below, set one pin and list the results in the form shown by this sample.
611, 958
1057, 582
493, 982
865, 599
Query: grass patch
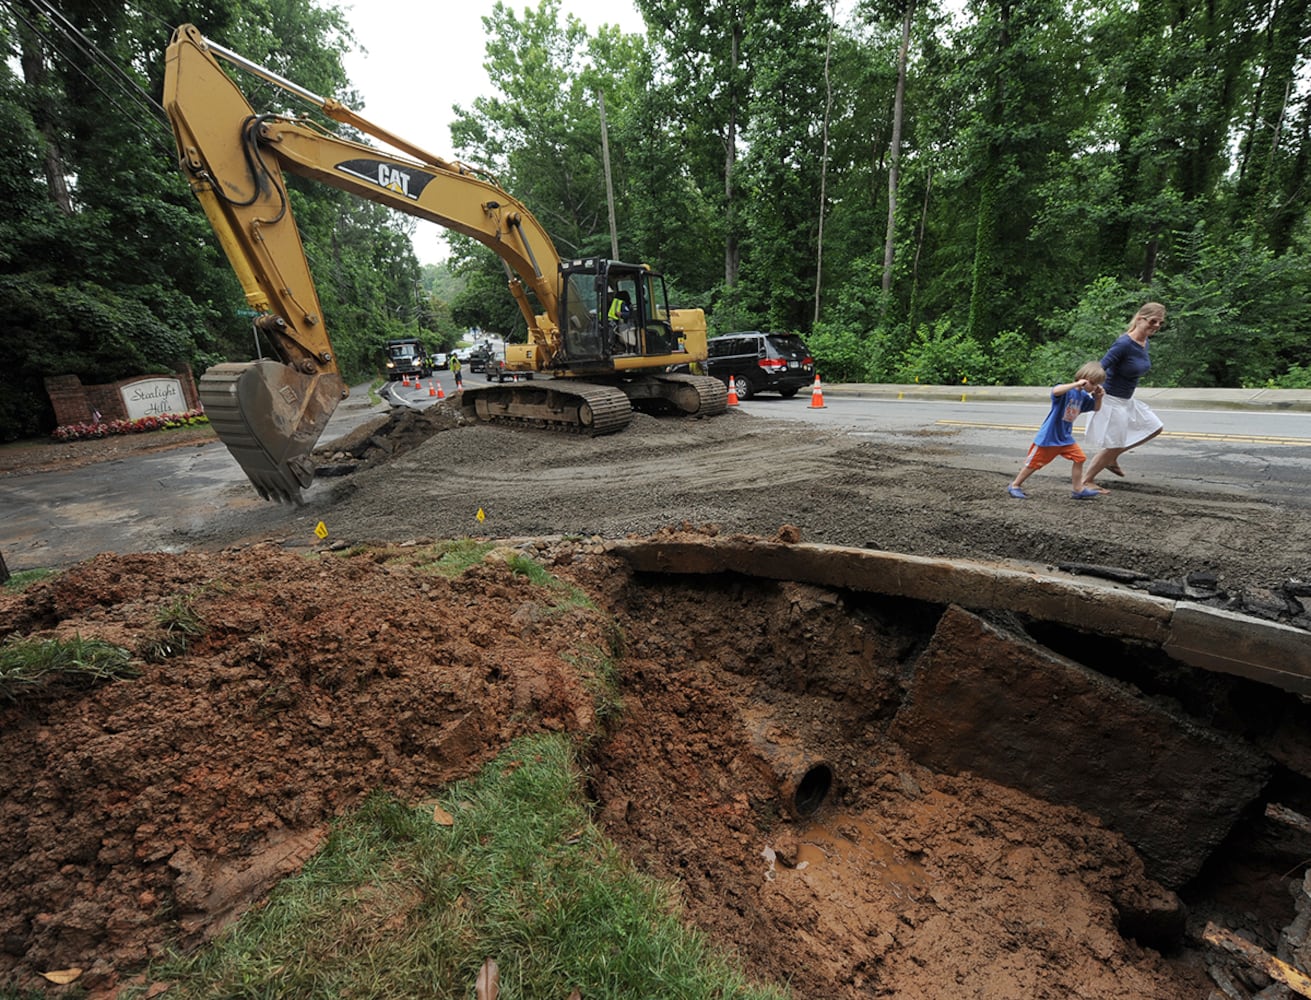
32, 666
569, 595
176, 624
600, 674
410, 901
453, 557
26, 577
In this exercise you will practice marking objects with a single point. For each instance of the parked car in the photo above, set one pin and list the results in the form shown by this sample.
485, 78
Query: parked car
760, 362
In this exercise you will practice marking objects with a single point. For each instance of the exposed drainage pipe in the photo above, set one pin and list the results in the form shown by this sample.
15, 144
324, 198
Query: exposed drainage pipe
803, 780
807, 789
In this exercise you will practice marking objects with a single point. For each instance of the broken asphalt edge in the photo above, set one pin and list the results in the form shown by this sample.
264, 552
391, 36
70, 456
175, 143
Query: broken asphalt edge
1208, 638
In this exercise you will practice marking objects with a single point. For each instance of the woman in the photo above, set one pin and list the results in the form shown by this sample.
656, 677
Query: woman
1123, 422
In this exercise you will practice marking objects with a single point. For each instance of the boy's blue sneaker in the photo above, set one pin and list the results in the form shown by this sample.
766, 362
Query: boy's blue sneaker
1084, 494
1017, 493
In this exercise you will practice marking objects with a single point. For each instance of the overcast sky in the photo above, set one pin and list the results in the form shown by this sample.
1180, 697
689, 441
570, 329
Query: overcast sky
423, 58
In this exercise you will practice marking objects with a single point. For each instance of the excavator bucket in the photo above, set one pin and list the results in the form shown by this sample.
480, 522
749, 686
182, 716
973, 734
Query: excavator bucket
270, 416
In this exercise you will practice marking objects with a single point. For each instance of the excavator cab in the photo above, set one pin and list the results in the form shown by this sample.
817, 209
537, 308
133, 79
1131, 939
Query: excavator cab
611, 310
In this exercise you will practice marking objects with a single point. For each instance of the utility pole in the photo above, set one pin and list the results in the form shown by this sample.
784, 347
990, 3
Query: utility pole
609, 185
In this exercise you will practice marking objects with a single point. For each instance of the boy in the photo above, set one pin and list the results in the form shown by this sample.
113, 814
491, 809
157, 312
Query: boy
1056, 435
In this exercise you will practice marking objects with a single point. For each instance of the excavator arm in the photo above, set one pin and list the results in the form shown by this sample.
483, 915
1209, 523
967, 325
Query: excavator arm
271, 412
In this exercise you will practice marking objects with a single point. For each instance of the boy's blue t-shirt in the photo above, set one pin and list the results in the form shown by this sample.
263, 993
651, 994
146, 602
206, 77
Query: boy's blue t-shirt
1058, 429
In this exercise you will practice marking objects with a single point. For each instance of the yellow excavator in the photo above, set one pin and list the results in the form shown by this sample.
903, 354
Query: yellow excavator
605, 333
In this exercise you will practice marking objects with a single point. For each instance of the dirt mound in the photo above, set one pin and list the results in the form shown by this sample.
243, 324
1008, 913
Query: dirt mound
158, 808
385, 437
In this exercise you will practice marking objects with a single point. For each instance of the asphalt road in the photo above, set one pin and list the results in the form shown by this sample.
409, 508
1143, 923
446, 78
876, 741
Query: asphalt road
151, 502
1248, 451
1233, 442
140, 503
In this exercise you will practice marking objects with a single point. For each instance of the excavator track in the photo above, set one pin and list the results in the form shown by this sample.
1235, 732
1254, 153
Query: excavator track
576, 407
694, 395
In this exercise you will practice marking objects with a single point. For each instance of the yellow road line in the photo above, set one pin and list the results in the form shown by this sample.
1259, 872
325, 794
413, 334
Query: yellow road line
1181, 435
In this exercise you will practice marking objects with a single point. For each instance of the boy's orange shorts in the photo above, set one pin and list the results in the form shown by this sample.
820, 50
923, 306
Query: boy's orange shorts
1040, 455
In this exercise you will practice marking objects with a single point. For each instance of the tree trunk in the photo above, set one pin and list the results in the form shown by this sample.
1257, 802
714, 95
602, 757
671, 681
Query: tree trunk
984, 280
1149, 258
823, 166
1292, 207
732, 253
33, 63
919, 251
1267, 188
894, 155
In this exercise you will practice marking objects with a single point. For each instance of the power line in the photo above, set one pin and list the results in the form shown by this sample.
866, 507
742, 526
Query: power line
126, 82
63, 40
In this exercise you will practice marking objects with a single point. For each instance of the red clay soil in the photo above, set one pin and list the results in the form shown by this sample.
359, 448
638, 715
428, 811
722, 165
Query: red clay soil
151, 812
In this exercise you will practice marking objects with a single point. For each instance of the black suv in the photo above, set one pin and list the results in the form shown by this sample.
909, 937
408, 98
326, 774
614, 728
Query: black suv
761, 362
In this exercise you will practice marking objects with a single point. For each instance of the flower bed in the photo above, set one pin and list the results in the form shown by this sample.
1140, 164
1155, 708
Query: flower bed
109, 428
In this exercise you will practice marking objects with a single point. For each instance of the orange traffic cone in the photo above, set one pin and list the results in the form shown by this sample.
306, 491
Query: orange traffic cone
431, 390
732, 390
817, 395
405, 381
440, 394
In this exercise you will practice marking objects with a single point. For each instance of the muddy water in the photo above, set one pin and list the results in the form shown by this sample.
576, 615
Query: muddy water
844, 845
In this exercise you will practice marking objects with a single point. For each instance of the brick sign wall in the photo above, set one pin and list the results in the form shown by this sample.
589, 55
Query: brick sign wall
127, 399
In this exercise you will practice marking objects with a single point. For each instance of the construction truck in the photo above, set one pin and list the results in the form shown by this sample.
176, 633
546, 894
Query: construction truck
602, 360
406, 356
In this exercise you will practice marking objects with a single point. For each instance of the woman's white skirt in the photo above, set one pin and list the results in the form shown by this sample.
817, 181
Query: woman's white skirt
1120, 423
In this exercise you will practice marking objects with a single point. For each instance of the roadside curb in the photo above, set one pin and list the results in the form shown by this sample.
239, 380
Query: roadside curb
1296, 400
1210, 639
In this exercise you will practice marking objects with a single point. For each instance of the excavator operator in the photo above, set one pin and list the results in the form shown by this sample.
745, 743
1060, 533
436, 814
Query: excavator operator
621, 322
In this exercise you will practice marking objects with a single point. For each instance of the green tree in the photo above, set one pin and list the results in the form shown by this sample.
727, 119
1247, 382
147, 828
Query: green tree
862, 132
102, 223
1272, 193
484, 301
785, 50
1024, 58
709, 85
94, 235
540, 134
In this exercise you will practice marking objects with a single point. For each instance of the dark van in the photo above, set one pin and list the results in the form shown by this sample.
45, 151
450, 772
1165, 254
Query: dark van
761, 362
